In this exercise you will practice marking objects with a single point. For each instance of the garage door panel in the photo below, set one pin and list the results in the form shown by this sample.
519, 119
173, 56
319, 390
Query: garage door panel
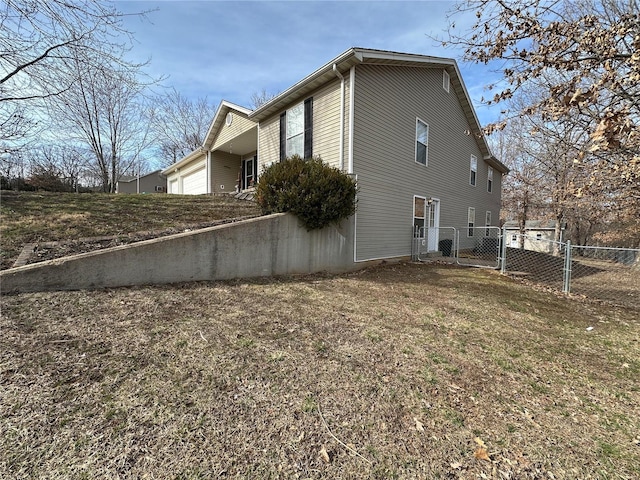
195, 183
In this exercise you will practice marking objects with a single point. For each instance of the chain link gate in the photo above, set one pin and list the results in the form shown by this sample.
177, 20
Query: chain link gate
473, 246
479, 247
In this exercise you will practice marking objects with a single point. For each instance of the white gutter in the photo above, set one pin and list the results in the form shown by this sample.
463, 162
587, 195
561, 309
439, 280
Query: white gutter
339, 75
208, 171
352, 81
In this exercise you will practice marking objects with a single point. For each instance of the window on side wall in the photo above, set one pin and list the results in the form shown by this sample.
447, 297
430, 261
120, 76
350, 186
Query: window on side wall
418, 215
490, 180
487, 223
445, 80
296, 130
471, 221
422, 142
473, 170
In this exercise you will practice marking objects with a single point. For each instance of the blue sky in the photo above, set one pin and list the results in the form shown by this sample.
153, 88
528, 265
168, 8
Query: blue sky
230, 50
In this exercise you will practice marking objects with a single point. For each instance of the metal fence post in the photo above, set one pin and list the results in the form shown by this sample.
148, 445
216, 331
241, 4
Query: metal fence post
566, 284
503, 251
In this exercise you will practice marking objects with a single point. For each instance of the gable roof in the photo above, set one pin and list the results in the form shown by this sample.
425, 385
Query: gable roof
357, 56
218, 119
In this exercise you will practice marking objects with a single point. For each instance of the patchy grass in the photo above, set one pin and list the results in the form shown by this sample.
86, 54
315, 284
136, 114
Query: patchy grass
399, 371
29, 217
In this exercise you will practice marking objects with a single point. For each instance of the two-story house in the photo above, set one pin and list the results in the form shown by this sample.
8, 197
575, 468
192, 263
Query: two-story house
402, 124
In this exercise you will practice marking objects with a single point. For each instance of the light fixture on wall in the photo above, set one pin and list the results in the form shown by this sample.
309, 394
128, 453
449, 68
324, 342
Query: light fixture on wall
429, 201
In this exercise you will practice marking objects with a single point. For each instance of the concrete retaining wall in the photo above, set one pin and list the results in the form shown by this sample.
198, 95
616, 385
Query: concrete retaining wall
271, 245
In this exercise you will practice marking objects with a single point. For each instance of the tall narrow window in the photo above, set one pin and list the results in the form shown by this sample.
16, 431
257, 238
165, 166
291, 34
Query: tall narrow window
471, 220
418, 215
474, 170
445, 80
422, 142
487, 223
490, 180
296, 130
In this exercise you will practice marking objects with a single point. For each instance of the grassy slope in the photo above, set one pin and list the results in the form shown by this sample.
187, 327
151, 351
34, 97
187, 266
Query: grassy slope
415, 367
41, 217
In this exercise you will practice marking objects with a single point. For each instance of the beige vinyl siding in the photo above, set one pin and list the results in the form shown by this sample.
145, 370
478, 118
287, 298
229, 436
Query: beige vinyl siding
326, 123
239, 125
326, 128
268, 142
387, 102
225, 168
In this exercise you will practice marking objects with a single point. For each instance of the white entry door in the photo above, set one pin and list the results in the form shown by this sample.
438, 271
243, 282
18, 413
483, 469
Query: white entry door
433, 224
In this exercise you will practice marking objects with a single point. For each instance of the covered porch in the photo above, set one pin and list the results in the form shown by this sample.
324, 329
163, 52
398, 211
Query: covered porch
232, 144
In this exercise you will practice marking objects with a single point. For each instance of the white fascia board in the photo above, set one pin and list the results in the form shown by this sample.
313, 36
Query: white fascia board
183, 161
327, 68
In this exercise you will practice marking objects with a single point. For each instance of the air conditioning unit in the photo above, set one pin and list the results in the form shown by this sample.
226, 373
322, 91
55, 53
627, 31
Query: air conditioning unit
160, 188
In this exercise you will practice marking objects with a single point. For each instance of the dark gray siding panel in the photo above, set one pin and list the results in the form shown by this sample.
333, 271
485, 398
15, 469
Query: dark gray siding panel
387, 102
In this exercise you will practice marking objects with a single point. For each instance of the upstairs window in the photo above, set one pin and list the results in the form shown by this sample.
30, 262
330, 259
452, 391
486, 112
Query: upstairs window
474, 170
490, 180
422, 142
445, 80
296, 131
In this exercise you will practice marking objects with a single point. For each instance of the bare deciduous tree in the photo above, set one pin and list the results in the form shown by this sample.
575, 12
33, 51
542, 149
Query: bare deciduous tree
260, 98
36, 40
179, 125
583, 57
105, 110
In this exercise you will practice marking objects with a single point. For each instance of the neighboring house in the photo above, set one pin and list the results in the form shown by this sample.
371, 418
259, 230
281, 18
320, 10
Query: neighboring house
154, 182
538, 235
401, 124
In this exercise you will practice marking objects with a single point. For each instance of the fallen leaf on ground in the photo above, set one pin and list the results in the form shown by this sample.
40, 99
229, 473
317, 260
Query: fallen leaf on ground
324, 455
419, 425
482, 454
479, 441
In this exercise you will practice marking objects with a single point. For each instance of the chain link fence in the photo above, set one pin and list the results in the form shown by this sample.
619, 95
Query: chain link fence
478, 246
603, 273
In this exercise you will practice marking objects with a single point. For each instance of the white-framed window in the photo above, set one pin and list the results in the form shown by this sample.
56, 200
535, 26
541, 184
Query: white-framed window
471, 220
295, 130
422, 142
490, 180
487, 223
446, 80
418, 213
473, 170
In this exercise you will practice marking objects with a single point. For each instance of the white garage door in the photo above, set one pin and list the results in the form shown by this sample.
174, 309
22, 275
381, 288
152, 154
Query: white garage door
173, 186
195, 183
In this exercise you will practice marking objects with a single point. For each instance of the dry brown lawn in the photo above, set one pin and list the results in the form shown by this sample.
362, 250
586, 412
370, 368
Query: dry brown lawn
37, 217
398, 371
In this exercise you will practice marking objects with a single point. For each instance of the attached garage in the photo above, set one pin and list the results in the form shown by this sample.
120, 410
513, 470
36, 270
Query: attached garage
195, 183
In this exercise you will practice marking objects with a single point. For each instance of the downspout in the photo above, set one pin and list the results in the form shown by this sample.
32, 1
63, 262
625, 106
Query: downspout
352, 81
208, 172
339, 75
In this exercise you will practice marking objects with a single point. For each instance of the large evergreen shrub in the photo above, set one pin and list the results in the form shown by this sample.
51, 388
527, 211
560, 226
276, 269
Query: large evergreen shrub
309, 188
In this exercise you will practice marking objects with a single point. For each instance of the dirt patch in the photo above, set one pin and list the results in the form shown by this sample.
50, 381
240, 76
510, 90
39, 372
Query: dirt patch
399, 371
